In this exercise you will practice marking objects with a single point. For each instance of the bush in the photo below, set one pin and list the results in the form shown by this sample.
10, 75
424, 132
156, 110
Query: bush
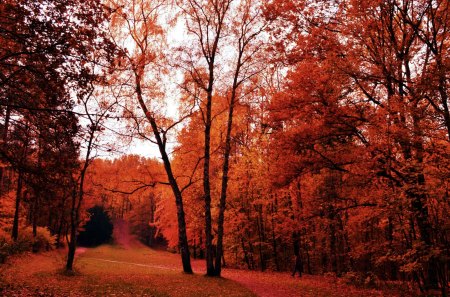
359, 279
44, 241
5, 245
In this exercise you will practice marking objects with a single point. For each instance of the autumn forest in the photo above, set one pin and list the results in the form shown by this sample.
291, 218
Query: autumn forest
241, 142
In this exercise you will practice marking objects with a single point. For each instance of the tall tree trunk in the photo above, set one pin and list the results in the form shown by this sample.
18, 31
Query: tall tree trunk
73, 234
78, 194
15, 229
4, 140
60, 222
274, 240
182, 234
210, 271
194, 249
36, 214
246, 258
152, 220
59, 232
226, 168
201, 253
418, 203
262, 238
223, 193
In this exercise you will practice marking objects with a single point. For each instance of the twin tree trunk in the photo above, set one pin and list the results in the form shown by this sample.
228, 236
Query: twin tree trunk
225, 170
211, 269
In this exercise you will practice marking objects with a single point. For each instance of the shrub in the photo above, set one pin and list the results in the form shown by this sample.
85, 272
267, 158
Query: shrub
359, 279
5, 245
44, 241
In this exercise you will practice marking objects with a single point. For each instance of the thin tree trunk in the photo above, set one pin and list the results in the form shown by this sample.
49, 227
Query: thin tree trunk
194, 250
73, 234
15, 229
182, 234
418, 204
35, 213
152, 220
210, 271
59, 232
76, 205
226, 168
4, 139
274, 241
246, 258
261, 234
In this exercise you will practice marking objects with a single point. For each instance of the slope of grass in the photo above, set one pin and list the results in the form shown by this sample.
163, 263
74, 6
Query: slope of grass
135, 270
98, 275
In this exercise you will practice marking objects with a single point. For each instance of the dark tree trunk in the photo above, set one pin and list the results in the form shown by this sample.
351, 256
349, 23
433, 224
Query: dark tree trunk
262, 238
225, 169
35, 213
73, 234
60, 225
59, 232
201, 253
15, 229
418, 203
210, 271
274, 248
246, 258
151, 236
5, 139
182, 234
194, 250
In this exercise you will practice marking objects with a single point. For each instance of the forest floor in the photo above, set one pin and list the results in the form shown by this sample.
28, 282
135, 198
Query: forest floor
129, 268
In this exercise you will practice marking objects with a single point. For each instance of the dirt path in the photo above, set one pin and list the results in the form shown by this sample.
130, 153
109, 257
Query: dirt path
122, 235
265, 284
134, 264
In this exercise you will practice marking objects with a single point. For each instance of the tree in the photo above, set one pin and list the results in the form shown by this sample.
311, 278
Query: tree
96, 111
141, 22
371, 97
206, 21
215, 26
46, 63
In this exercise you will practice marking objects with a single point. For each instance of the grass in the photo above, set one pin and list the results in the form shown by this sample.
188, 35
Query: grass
41, 275
140, 271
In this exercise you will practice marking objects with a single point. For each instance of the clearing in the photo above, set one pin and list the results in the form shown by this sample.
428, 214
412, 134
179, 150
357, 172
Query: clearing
129, 268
